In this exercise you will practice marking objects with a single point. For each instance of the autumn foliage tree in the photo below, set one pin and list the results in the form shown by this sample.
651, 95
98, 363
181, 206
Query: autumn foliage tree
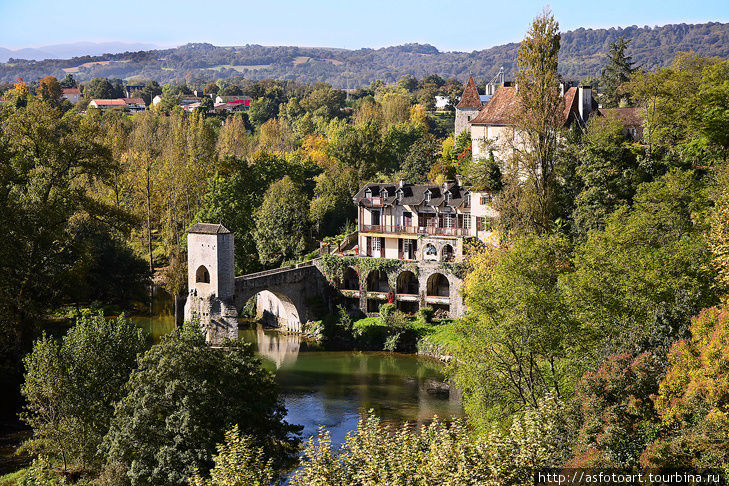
693, 399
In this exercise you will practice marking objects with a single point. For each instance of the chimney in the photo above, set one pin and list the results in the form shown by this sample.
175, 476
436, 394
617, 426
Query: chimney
585, 101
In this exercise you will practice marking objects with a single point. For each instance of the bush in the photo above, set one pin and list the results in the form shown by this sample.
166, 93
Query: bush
387, 310
426, 314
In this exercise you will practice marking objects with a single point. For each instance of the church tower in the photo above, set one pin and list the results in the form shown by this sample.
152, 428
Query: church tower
211, 280
468, 107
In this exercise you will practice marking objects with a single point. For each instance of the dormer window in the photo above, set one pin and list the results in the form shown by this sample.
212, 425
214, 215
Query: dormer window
448, 197
467, 200
385, 193
427, 196
368, 193
399, 195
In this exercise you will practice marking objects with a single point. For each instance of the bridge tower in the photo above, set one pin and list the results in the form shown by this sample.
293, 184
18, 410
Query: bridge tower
211, 281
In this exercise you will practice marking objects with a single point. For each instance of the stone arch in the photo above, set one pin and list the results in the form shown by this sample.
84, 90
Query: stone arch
350, 279
202, 275
277, 309
407, 283
438, 286
377, 281
447, 254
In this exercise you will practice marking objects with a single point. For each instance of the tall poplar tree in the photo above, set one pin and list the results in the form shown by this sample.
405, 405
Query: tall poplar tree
537, 121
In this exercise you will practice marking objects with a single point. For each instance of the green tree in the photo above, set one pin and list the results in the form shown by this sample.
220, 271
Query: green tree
281, 222
519, 341
639, 281
262, 110
68, 81
183, 399
100, 88
71, 388
610, 173
538, 121
616, 74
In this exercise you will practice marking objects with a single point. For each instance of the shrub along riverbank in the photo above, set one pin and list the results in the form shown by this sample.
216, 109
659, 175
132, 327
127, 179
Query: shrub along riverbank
391, 330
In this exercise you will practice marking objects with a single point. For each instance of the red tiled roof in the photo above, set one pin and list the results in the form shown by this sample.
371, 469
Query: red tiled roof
571, 103
241, 101
504, 106
470, 98
500, 109
70, 91
134, 101
116, 102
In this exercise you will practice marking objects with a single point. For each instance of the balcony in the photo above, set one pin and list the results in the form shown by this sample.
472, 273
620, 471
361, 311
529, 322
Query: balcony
414, 230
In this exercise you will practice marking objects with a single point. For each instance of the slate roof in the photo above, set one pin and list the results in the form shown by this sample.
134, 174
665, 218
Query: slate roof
414, 194
208, 229
470, 98
632, 117
135, 101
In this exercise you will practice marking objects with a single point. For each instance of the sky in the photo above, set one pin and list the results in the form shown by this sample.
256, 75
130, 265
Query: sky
464, 25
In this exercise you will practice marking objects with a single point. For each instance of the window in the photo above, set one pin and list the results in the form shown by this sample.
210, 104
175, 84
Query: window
448, 197
399, 195
376, 244
406, 246
448, 221
485, 198
467, 221
467, 200
427, 196
368, 194
385, 193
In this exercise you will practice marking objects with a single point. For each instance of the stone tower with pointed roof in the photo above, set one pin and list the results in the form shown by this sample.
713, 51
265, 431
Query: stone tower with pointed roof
468, 107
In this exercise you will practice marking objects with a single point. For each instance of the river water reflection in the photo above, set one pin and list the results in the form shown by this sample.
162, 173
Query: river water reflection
335, 388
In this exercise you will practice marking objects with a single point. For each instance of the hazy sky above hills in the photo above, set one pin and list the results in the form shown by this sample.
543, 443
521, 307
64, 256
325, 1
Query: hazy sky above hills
463, 25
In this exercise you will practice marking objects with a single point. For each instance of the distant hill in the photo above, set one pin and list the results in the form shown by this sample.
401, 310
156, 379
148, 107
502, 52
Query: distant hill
582, 55
75, 49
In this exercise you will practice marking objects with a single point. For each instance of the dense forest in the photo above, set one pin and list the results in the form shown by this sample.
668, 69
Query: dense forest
597, 331
581, 57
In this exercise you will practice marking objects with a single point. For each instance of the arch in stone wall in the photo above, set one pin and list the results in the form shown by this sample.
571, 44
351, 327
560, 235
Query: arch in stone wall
202, 275
350, 279
377, 281
407, 283
438, 286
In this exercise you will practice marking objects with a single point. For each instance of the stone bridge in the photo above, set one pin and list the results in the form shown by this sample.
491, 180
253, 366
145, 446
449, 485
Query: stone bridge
216, 297
282, 294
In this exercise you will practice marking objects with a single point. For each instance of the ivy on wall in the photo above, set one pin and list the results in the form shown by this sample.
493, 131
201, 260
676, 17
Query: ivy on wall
333, 267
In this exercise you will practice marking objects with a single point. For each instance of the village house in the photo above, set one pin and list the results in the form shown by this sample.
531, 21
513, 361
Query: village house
108, 104
132, 105
73, 95
492, 129
428, 224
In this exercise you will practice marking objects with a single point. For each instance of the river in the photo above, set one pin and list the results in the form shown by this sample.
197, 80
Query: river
335, 388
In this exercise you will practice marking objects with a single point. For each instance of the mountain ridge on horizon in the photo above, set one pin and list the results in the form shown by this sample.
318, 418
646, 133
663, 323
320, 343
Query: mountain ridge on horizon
582, 55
